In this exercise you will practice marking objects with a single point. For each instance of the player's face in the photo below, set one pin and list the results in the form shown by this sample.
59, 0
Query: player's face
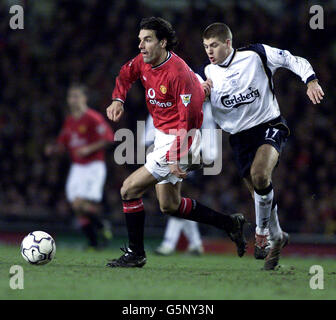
150, 47
76, 99
217, 50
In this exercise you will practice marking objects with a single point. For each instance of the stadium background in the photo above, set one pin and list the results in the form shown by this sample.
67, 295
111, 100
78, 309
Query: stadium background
89, 40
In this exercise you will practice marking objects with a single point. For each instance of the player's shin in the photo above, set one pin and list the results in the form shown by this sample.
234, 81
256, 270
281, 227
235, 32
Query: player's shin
89, 230
263, 200
135, 222
193, 210
274, 226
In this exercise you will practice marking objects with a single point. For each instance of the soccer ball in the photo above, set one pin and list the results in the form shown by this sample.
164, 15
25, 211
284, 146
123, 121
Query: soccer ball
38, 247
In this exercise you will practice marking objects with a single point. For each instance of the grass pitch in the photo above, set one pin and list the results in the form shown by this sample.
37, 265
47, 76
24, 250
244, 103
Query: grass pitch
75, 274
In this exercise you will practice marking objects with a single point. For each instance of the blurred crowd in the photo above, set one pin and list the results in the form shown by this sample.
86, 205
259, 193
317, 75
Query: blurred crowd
88, 41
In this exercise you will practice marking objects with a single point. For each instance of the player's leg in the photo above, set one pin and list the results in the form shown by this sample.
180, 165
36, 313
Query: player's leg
266, 209
169, 196
261, 170
171, 236
132, 191
87, 226
89, 191
89, 215
274, 226
191, 231
74, 192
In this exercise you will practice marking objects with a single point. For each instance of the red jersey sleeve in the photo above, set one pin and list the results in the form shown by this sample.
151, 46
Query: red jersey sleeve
128, 74
189, 100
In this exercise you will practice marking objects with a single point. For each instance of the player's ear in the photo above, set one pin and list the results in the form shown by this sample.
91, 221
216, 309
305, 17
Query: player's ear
163, 43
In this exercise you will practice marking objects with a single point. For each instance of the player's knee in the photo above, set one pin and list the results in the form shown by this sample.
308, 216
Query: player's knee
260, 178
127, 190
124, 191
169, 208
77, 205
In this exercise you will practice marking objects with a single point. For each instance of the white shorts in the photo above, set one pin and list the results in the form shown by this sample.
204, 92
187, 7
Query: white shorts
156, 162
86, 181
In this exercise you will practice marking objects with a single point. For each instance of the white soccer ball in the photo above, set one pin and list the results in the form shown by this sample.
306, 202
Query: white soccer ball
38, 247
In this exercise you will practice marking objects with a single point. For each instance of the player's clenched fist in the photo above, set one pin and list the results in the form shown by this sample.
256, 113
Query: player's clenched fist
115, 111
207, 85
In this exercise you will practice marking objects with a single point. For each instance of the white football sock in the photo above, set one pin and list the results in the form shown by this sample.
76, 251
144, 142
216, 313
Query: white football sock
263, 207
274, 226
190, 229
172, 233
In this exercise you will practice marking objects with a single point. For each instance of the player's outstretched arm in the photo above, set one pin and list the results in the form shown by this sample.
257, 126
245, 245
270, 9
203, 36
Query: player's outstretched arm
314, 91
115, 111
53, 148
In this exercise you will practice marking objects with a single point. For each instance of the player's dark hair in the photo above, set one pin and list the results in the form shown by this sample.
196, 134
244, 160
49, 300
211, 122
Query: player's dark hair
79, 86
217, 30
163, 30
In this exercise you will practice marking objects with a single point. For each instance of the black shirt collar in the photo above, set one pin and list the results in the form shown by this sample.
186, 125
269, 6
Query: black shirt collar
228, 60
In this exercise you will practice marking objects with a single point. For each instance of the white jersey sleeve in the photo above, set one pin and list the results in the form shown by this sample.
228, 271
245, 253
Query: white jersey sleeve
200, 79
278, 58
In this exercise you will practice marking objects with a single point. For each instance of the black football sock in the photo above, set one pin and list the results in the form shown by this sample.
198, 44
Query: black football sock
91, 234
193, 210
135, 222
97, 221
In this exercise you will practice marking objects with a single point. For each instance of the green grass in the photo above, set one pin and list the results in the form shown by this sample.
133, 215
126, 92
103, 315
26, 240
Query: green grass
75, 274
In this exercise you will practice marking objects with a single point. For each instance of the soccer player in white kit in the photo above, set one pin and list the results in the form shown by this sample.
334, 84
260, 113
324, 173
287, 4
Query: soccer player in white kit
240, 85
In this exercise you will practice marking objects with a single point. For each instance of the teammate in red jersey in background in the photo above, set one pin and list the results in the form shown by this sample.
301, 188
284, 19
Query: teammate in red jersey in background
174, 98
85, 134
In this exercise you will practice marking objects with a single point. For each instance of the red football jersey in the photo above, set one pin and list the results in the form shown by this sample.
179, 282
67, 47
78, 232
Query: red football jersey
174, 96
91, 127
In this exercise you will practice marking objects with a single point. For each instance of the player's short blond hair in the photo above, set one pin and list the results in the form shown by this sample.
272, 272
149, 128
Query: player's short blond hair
218, 30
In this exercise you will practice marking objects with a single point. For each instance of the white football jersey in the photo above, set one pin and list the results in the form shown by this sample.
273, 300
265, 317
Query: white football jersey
242, 95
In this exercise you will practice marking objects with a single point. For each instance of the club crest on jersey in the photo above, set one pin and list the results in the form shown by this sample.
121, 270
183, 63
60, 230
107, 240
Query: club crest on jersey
163, 89
82, 129
186, 98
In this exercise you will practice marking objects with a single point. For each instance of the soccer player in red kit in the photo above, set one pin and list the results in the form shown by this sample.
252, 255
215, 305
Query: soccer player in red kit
85, 134
174, 98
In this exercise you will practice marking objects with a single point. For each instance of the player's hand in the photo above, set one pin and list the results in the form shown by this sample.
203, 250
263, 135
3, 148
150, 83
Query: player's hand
207, 85
115, 111
53, 148
48, 150
177, 171
83, 151
314, 92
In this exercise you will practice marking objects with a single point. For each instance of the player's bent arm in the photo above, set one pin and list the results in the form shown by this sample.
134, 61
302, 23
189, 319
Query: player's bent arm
189, 105
129, 73
277, 58
92, 148
54, 148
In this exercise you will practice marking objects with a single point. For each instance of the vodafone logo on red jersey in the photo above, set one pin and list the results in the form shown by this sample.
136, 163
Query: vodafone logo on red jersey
151, 93
152, 100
